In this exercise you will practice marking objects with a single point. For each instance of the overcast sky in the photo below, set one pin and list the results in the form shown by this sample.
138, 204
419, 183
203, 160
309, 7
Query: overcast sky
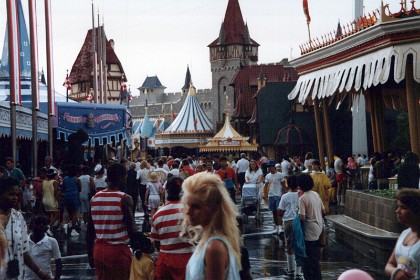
160, 37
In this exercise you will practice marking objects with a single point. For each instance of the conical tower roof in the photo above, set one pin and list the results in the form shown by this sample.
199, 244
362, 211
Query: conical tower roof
191, 117
24, 49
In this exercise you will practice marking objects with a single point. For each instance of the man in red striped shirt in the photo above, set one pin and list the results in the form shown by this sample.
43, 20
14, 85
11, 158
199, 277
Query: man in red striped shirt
111, 223
175, 251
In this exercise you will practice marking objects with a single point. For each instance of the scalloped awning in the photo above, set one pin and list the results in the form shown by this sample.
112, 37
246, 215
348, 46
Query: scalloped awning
362, 72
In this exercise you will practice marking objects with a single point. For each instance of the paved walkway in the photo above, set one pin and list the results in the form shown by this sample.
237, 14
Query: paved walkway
267, 256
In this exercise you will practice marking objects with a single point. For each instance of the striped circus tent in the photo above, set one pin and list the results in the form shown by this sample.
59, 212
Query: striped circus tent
190, 128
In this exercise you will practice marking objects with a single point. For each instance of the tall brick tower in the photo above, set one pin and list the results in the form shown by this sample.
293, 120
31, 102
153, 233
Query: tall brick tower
232, 50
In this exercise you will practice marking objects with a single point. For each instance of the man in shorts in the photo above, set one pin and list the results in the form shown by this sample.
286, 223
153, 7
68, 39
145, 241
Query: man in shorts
274, 178
288, 207
341, 179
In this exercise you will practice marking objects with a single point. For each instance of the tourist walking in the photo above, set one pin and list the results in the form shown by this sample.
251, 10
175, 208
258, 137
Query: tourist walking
311, 212
210, 222
228, 175
175, 251
42, 249
71, 189
341, 179
142, 178
110, 226
13, 222
153, 192
288, 208
273, 181
86, 193
100, 178
50, 198
404, 262
132, 188
242, 166
322, 183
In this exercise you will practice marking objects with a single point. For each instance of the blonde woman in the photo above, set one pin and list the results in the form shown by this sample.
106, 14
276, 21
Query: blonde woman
210, 222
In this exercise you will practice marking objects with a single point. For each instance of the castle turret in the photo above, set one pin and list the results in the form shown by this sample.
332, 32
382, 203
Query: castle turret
233, 49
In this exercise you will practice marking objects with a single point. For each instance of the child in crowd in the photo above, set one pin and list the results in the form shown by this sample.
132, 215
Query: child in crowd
288, 208
42, 248
142, 266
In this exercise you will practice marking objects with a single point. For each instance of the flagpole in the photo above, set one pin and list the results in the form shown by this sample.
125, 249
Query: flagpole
95, 58
34, 83
50, 75
14, 69
67, 86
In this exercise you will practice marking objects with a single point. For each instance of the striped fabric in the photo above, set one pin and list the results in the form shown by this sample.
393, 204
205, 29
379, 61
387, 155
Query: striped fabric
166, 226
107, 216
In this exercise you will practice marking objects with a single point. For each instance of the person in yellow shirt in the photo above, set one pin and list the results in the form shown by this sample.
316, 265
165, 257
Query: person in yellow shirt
322, 183
142, 266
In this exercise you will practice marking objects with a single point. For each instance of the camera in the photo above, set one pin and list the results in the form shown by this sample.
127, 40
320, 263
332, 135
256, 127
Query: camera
13, 269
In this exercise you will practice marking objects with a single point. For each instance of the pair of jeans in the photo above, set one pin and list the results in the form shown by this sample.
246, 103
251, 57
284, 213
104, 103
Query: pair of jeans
311, 267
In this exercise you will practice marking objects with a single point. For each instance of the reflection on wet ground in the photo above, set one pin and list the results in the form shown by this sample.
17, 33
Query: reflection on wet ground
266, 252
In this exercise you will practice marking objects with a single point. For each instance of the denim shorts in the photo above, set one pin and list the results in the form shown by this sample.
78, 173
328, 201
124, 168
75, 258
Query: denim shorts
273, 202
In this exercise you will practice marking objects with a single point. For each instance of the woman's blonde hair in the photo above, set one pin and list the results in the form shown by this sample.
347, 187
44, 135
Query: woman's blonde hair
210, 190
143, 164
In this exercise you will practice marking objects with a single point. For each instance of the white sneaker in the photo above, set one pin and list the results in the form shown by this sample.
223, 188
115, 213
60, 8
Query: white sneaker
65, 227
74, 233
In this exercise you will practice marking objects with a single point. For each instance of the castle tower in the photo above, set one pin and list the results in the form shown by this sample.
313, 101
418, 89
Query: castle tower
232, 50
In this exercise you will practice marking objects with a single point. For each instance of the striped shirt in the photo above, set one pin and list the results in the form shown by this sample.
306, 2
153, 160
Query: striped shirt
166, 226
108, 218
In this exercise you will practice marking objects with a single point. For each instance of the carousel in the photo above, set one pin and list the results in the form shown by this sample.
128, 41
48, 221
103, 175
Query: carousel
228, 140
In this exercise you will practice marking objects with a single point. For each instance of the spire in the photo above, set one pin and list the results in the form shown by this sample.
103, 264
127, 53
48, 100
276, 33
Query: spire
24, 47
187, 79
233, 22
247, 37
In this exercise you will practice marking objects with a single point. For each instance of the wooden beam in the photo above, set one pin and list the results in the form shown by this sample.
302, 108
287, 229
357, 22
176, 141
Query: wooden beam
327, 131
413, 107
319, 136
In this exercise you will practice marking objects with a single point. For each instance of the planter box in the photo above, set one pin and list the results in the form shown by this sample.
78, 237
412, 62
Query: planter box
373, 210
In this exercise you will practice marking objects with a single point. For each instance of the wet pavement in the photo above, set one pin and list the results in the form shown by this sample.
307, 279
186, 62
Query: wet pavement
266, 252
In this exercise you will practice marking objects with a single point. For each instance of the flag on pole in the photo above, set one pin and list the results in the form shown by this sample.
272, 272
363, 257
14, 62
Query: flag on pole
67, 83
163, 116
195, 122
306, 11
173, 115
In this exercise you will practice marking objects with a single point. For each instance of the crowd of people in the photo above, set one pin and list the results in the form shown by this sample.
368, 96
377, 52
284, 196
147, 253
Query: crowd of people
190, 213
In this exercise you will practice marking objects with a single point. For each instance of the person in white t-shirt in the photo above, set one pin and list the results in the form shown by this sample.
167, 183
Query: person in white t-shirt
42, 249
274, 179
241, 167
311, 211
254, 175
286, 166
288, 208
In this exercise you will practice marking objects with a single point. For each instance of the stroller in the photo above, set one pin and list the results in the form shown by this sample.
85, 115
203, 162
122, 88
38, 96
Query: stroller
251, 203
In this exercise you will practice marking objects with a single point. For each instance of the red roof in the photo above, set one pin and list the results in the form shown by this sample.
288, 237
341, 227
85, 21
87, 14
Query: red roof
83, 66
245, 84
233, 30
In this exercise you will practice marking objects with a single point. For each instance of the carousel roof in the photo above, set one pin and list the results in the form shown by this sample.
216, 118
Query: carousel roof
191, 117
228, 139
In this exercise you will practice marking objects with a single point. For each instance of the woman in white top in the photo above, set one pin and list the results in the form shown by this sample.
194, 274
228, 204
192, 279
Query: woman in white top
404, 262
100, 179
309, 158
254, 175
